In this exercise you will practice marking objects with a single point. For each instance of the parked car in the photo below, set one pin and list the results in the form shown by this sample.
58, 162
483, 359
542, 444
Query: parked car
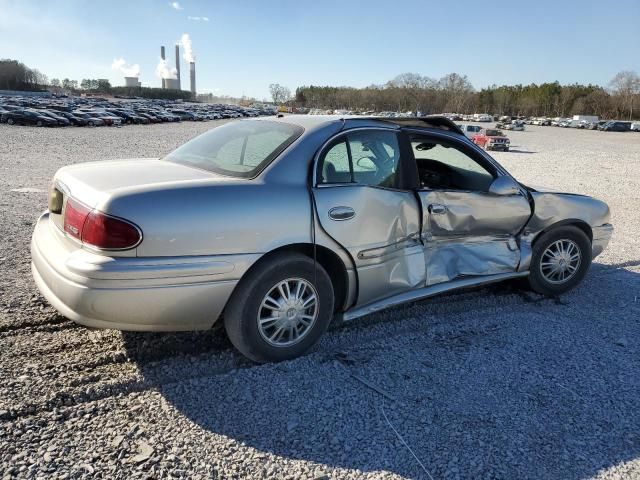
616, 126
635, 126
491, 139
515, 125
470, 130
92, 121
169, 244
27, 117
62, 121
75, 120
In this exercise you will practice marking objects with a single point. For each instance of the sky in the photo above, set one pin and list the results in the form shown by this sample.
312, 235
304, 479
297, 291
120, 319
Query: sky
242, 46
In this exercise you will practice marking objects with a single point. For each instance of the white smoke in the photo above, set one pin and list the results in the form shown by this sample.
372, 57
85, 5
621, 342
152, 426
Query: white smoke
127, 70
185, 41
164, 71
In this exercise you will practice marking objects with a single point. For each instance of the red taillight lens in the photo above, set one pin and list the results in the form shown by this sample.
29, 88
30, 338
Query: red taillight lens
107, 232
75, 214
97, 229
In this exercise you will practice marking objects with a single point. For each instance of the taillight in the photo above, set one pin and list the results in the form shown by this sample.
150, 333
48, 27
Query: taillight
99, 230
75, 213
103, 231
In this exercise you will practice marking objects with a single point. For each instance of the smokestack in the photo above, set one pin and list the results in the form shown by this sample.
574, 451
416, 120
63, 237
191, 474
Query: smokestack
192, 70
162, 57
178, 64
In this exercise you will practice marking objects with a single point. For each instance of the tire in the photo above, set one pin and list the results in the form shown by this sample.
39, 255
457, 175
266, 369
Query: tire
506, 149
539, 281
90, 123
10, 121
249, 302
39, 123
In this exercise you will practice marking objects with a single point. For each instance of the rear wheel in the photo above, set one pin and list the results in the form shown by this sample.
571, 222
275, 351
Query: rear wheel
91, 124
561, 259
39, 123
10, 121
280, 309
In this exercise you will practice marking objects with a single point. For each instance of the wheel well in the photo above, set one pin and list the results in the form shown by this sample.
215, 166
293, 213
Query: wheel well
332, 264
581, 224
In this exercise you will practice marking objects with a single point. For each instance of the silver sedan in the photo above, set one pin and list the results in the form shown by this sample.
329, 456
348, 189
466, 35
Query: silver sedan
277, 226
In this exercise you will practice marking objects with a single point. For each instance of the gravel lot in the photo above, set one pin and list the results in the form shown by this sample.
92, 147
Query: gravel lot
489, 383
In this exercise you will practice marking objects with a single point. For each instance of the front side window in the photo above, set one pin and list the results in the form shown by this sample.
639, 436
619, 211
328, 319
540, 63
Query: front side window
237, 149
444, 166
367, 157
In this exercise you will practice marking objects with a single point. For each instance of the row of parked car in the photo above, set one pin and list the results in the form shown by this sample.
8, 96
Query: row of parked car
79, 111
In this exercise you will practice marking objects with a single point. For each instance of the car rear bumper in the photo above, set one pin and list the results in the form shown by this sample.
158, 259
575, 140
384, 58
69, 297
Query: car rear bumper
601, 237
131, 293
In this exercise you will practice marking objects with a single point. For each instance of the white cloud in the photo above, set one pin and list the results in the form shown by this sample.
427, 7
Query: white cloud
198, 19
127, 70
176, 5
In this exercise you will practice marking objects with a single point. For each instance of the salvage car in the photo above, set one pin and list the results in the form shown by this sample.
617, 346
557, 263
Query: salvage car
491, 139
277, 226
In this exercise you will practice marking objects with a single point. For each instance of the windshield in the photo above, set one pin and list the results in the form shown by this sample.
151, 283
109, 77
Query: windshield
238, 149
494, 133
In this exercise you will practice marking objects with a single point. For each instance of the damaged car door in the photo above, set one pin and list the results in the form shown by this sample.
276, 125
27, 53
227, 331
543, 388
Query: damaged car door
363, 204
472, 211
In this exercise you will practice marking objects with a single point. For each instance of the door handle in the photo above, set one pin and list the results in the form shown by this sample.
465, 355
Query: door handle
341, 213
437, 209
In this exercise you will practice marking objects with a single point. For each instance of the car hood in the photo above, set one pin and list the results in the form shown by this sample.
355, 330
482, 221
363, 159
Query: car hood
96, 182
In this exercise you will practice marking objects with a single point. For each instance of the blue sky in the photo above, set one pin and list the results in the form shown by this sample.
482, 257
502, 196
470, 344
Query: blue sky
246, 45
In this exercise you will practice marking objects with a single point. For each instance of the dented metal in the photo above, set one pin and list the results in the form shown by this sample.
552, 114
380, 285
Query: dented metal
390, 243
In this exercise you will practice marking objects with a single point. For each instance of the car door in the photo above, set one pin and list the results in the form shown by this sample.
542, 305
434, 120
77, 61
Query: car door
362, 203
467, 230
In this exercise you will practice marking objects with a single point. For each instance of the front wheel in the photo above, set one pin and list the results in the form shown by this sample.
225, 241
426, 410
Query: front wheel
280, 309
561, 258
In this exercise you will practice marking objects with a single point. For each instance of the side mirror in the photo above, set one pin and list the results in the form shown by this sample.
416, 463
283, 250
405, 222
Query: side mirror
504, 186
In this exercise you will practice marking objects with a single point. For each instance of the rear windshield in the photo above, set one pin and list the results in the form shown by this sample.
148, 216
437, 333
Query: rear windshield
494, 133
238, 149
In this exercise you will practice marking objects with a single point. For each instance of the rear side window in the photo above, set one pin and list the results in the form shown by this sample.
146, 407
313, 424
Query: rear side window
368, 157
237, 149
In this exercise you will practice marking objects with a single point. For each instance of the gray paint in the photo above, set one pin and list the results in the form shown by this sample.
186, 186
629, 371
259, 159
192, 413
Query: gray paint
203, 232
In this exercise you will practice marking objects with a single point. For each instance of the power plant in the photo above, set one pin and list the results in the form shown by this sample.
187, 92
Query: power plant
178, 64
131, 82
171, 77
164, 60
192, 74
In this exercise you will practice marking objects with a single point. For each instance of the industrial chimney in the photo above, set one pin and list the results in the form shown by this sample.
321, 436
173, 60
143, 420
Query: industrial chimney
178, 64
163, 58
192, 70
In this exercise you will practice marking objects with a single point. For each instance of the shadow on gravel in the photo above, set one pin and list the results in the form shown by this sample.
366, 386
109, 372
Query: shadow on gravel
497, 383
512, 150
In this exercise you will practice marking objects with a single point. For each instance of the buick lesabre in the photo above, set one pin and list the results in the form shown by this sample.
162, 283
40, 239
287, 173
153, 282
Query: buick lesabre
276, 226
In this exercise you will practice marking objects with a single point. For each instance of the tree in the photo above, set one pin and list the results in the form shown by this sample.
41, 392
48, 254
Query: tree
279, 93
66, 84
626, 86
55, 83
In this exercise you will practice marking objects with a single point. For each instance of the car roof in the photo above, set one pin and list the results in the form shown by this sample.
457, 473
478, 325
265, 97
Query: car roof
313, 122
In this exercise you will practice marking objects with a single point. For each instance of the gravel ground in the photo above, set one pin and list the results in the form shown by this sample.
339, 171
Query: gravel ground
489, 383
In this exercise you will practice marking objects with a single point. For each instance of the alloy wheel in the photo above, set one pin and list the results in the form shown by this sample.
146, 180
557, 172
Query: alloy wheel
560, 261
288, 312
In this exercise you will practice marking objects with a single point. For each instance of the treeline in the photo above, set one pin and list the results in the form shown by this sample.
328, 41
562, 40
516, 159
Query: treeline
454, 93
15, 75
147, 92
103, 86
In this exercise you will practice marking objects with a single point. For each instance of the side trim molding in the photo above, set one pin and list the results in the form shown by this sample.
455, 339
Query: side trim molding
427, 292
